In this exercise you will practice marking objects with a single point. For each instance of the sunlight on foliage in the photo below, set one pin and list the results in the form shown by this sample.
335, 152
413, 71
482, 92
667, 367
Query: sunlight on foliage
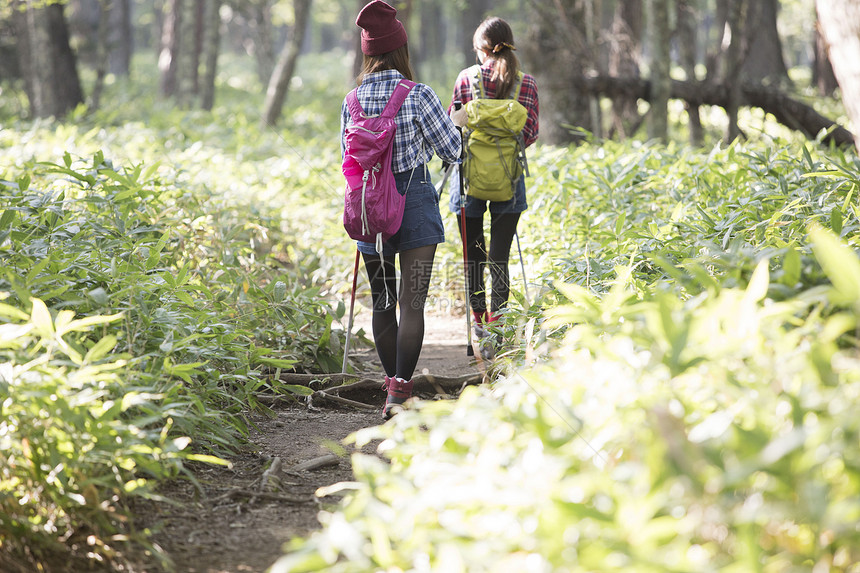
678, 398
676, 394
156, 278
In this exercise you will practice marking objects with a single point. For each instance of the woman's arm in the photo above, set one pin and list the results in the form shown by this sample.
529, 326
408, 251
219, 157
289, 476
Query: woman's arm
529, 99
462, 90
344, 119
437, 127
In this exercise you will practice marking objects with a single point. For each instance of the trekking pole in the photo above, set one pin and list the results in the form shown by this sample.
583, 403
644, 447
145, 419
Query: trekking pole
469, 350
351, 308
441, 186
523, 267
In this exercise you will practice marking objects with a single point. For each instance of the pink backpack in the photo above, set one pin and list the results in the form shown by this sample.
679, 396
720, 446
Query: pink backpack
373, 209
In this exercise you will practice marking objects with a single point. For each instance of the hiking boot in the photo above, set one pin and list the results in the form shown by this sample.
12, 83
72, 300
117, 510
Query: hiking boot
488, 347
479, 329
479, 332
399, 390
487, 339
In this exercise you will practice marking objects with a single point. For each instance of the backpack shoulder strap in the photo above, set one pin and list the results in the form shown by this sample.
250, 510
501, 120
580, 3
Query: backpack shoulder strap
401, 90
354, 107
515, 92
476, 80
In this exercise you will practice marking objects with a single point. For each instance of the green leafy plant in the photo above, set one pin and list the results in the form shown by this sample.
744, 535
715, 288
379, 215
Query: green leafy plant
208, 297
677, 398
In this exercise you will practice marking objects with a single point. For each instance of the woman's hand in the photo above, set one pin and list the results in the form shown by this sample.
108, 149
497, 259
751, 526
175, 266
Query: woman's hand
459, 117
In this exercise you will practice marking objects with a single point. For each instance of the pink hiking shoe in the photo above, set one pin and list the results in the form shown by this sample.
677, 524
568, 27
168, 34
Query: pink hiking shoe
399, 390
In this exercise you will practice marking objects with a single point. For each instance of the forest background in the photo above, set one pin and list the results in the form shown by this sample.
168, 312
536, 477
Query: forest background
679, 387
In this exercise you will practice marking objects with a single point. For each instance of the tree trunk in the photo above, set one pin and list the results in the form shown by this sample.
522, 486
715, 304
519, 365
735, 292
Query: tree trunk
404, 13
558, 57
792, 113
715, 58
47, 61
279, 83
822, 71
157, 26
591, 24
764, 61
199, 12
264, 40
187, 56
9, 63
687, 42
660, 33
168, 61
29, 60
359, 57
734, 57
106, 7
625, 49
82, 17
430, 55
120, 38
211, 50
180, 59
840, 26
472, 16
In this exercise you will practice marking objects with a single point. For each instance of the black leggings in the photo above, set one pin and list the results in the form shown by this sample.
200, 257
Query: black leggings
502, 229
399, 345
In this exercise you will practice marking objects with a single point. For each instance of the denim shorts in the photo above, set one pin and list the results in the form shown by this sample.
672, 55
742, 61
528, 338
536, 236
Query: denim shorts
476, 207
422, 222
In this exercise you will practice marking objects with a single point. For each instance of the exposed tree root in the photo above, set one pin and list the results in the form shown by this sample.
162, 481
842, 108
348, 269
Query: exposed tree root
315, 463
324, 395
270, 481
421, 383
444, 386
243, 492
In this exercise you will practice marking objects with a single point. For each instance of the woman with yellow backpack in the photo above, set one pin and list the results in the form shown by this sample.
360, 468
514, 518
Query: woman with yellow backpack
499, 117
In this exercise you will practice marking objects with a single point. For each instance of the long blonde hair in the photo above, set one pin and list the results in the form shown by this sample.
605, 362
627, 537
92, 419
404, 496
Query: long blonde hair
495, 36
394, 60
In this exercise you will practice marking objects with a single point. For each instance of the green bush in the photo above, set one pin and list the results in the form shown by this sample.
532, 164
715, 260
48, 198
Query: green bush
76, 439
679, 397
139, 314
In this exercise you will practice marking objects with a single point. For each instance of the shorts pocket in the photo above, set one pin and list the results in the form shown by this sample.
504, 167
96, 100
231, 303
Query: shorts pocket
415, 215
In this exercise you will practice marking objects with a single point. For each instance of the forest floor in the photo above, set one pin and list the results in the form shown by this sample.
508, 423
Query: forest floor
221, 527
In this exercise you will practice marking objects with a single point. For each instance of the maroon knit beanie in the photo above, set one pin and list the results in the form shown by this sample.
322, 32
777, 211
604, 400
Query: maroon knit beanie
381, 31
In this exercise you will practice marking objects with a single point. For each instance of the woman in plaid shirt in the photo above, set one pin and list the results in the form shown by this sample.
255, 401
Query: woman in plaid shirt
494, 47
423, 128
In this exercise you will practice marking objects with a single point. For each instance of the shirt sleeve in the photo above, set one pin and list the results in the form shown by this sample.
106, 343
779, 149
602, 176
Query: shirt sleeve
438, 129
529, 99
462, 90
344, 119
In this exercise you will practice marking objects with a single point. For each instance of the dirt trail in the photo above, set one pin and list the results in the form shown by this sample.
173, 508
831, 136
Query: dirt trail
225, 531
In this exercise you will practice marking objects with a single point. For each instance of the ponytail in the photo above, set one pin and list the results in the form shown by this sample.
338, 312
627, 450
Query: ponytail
495, 36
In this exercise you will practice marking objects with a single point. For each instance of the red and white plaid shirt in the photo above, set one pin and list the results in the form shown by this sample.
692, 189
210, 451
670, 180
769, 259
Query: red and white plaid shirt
528, 96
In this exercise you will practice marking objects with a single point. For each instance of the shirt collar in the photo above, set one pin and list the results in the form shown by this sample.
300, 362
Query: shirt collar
381, 76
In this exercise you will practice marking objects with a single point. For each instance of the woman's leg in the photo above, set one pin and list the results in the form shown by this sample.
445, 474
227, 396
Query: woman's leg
476, 254
416, 268
503, 226
383, 288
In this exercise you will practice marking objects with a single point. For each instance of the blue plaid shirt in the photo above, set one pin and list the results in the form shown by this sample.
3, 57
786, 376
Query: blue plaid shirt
422, 124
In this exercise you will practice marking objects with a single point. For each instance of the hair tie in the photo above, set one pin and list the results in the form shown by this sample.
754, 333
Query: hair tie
501, 46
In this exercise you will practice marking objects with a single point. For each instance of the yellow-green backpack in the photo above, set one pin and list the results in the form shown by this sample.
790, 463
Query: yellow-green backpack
495, 151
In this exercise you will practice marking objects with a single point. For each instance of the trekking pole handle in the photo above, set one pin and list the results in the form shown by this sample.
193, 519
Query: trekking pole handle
457, 106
